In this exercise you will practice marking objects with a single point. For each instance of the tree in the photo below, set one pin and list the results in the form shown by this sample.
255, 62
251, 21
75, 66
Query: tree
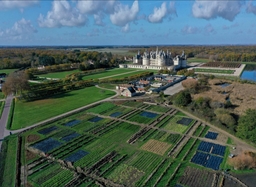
183, 98
46, 60
246, 128
16, 82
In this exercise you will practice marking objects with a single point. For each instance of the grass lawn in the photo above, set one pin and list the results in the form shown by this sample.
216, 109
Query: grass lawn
1, 95
58, 75
223, 71
199, 60
174, 126
108, 73
1, 107
129, 74
9, 169
108, 86
7, 71
29, 113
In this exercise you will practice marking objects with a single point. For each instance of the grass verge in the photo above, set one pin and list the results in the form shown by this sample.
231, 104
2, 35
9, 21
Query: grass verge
8, 157
10, 117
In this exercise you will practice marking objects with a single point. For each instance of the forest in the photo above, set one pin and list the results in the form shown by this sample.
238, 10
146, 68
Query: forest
32, 57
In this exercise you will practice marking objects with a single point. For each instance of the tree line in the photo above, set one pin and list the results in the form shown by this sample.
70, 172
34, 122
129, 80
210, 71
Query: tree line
29, 57
17, 83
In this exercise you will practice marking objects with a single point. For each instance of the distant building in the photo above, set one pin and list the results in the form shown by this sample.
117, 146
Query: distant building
157, 60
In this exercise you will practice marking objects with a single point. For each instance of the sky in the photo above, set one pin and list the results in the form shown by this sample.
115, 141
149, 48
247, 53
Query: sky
132, 22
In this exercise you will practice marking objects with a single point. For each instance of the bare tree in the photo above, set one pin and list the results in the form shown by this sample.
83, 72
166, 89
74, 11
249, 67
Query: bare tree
15, 83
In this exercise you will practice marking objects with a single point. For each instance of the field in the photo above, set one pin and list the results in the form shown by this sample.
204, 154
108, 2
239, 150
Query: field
199, 60
112, 73
109, 146
58, 75
221, 71
9, 166
54, 106
156, 147
7, 71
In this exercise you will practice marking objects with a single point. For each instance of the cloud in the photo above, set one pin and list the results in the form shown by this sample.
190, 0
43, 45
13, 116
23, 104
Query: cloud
225, 27
93, 33
123, 14
208, 29
98, 19
94, 7
97, 8
21, 29
126, 28
62, 14
250, 8
212, 9
160, 13
190, 30
10, 4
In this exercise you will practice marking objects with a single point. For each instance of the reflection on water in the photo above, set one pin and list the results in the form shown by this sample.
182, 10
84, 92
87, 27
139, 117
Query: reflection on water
249, 73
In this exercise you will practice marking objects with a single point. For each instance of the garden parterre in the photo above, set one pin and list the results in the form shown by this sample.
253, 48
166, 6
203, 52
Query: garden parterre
100, 148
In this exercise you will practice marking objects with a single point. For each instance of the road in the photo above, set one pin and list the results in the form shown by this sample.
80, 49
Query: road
4, 118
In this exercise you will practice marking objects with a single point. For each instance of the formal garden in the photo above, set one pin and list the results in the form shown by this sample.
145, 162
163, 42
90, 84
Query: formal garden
111, 144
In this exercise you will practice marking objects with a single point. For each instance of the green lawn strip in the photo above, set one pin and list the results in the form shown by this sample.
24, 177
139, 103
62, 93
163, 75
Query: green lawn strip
132, 104
127, 75
192, 151
108, 86
164, 122
141, 119
179, 172
29, 113
157, 108
8, 161
58, 75
206, 128
60, 179
148, 135
223, 71
2, 96
186, 148
125, 174
10, 116
179, 113
198, 130
201, 60
122, 110
2, 103
155, 177
108, 73
7, 71
169, 172
224, 164
101, 108
173, 126
230, 141
142, 160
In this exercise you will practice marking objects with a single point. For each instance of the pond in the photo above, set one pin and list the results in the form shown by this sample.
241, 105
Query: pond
249, 73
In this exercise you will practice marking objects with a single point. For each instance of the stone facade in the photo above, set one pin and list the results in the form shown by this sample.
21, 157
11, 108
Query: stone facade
157, 60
